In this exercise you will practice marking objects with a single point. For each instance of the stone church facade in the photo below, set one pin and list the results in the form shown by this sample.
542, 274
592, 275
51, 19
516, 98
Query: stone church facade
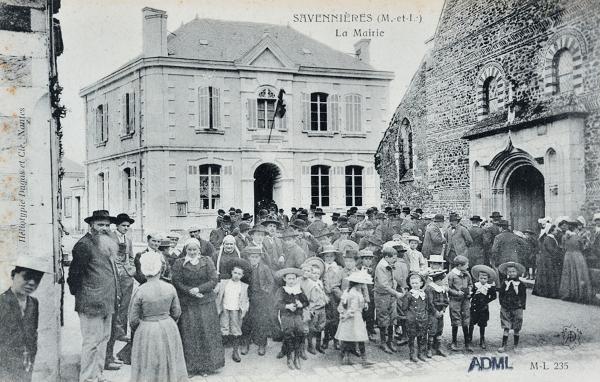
183, 130
503, 114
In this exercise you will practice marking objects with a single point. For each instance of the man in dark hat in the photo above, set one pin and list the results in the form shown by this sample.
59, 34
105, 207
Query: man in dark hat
305, 240
317, 227
476, 253
242, 238
490, 231
507, 245
363, 228
387, 228
293, 255
93, 280
126, 271
217, 235
206, 248
405, 212
409, 224
458, 238
272, 244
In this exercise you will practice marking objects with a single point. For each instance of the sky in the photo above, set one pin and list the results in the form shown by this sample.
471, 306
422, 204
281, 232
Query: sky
101, 35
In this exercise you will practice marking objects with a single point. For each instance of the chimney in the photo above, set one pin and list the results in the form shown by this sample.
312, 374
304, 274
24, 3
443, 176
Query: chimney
361, 50
154, 31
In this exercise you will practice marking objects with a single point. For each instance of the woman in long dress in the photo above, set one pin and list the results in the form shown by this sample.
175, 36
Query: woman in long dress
575, 282
157, 353
548, 264
194, 276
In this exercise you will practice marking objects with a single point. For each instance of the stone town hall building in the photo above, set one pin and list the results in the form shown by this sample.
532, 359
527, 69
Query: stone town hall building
503, 114
182, 130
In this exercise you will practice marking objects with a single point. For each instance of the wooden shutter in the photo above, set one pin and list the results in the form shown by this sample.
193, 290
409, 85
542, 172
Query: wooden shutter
132, 111
124, 114
98, 119
333, 112
203, 108
105, 124
107, 193
216, 108
193, 188
305, 112
251, 107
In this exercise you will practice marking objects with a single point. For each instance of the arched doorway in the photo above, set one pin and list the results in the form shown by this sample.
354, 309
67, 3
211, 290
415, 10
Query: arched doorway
525, 191
266, 177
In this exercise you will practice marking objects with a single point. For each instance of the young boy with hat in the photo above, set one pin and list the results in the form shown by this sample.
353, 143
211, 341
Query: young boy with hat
19, 318
232, 302
459, 290
332, 282
438, 292
484, 292
512, 296
386, 297
418, 307
317, 300
352, 330
290, 303
416, 261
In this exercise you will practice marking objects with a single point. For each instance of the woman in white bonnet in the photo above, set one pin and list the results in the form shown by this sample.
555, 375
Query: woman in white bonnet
157, 353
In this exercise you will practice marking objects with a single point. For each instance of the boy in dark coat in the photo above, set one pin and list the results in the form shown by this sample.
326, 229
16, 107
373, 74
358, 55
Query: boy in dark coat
512, 296
484, 292
437, 290
418, 307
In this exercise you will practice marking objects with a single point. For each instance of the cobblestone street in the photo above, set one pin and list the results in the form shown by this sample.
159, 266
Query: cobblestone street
541, 340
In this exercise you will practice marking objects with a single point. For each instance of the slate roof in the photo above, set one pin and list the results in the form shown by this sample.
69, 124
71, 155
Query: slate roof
71, 166
230, 40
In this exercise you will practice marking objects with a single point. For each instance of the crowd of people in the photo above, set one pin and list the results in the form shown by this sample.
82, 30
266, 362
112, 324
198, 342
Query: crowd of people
384, 277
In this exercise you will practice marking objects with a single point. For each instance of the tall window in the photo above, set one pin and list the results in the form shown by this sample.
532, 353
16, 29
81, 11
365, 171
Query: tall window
405, 145
353, 112
318, 111
563, 68
319, 185
101, 123
128, 113
210, 107
354, 186
210, 186
129, 189
67, 207
490, 94
266, 108
100, 191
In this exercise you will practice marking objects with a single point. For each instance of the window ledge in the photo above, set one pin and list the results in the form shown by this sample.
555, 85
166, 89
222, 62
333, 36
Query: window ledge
210, 131
407, 178
127, 136
354, 135
328, 134
101, 144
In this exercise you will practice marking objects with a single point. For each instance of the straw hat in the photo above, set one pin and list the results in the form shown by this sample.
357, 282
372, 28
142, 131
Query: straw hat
286, 271
365, 253
328, 249
520, 268
477, 269
414, 238
315, 261
36, 263
436, 259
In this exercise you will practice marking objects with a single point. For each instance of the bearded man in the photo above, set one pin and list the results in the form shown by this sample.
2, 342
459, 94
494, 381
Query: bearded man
93, 280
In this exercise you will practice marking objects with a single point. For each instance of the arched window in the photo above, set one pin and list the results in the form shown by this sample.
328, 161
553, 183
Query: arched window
210, 186
354, 186
563, 69
553, 175
490, 95
405, 146
266, 108
319, 185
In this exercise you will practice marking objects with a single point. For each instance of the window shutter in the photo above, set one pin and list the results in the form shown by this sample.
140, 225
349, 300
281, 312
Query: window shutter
132, 111
359, 114
193, 188
251, 113
97, 124
203, 107
105, 124
107, 192
333, 112
216, 108
124, 114
305, 112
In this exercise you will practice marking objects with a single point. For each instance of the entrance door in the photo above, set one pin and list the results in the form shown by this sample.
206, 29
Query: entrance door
266, 177
525, 189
